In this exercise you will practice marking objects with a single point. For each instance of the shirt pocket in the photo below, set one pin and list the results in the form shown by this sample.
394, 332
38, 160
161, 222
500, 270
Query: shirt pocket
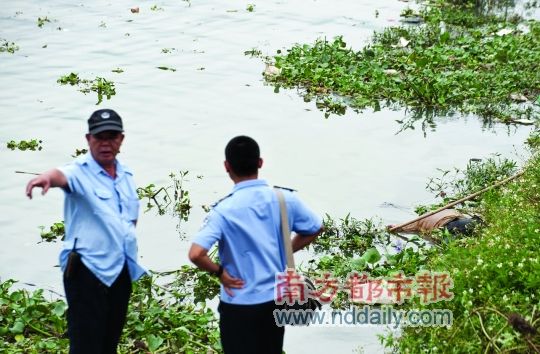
103, 193
104, 203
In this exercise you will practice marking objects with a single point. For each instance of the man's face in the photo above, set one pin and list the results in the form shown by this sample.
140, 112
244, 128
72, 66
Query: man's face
105, 145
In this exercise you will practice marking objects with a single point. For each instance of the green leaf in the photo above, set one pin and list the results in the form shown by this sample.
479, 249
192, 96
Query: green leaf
154, 342
59, 308
17, 296
444, 37
371, 256
359, 264
18, 327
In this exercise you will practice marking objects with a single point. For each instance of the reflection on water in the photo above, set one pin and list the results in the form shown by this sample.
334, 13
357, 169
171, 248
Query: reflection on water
181, 120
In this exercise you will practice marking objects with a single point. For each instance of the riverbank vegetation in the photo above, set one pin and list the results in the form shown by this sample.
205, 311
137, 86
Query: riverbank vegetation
455, 60
495, 272
496, 276
161, 318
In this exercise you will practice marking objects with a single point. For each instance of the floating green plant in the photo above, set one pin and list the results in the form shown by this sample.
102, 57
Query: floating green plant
41, 21
7, 47
99, 85
79, 152
488, 67
24, 145
56, 232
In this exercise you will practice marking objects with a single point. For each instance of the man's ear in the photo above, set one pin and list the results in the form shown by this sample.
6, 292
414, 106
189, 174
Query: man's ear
88, 138
227, 166
260, 162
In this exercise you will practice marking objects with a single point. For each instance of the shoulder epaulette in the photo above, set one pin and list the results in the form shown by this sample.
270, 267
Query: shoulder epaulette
222, 199
287, 189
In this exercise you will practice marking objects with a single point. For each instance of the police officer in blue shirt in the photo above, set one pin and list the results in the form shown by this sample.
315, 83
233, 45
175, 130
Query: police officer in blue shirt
99, 255
246, 226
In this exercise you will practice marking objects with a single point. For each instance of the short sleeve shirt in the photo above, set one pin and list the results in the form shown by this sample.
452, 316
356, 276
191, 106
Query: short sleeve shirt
99, 215
247, 227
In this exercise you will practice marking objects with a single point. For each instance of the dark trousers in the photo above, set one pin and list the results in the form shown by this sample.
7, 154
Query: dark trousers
96, 313
250, 329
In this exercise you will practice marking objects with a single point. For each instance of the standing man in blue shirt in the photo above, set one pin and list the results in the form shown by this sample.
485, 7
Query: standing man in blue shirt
99, 255
246, 226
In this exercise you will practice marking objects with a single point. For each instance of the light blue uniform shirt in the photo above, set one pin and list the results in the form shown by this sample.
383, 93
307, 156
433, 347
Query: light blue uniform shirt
100, 212
247, 227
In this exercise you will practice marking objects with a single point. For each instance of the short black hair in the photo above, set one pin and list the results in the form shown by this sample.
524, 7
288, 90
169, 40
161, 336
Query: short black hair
243, 155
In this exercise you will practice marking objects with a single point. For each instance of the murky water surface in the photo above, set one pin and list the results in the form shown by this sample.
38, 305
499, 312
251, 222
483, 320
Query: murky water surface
182, 120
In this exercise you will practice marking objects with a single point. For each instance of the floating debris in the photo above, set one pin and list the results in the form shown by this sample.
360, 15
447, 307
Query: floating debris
166, 68
518, 97
391, 72
504, 32
414, 20
522, 121
402, 43
271, 70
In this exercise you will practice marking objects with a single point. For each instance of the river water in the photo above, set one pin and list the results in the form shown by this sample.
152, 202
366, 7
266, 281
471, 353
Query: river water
357, 163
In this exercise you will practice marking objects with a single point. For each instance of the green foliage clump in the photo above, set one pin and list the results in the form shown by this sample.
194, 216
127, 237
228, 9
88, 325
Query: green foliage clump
160, 318
24, 145
458, 183
362, 246
56, 232
534, 140
41, 21
173, 199
496, 279
79, 152
7, 47
29, 323
99, 85
445, 65
349, 237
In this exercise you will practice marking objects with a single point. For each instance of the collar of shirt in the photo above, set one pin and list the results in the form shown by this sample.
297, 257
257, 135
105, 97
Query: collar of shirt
96, 168
249, 183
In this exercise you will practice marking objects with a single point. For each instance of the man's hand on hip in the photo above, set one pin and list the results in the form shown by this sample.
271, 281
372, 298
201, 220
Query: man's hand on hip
230, 282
